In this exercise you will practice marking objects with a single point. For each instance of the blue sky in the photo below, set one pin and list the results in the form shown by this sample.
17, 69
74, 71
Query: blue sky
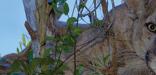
12, 17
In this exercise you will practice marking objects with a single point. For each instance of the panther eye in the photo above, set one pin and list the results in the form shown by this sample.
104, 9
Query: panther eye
151, 27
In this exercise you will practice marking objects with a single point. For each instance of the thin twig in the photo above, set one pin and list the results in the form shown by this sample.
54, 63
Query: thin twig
74, 8
95, 8
82, 15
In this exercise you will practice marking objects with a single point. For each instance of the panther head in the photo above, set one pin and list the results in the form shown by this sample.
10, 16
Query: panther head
143, 36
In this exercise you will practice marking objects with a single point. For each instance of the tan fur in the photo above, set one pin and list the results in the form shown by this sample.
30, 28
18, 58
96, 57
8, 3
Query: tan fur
131, 39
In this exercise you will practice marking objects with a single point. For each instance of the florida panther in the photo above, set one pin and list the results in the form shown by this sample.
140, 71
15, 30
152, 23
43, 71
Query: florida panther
133, 39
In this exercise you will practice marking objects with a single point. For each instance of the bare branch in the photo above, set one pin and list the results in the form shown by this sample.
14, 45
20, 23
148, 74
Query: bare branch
31, 32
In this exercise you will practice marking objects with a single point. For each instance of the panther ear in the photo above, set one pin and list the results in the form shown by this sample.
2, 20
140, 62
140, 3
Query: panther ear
151, 6
137, 7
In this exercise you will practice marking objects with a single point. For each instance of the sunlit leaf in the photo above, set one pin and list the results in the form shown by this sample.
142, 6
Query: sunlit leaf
23, 40
18, 51
20, 43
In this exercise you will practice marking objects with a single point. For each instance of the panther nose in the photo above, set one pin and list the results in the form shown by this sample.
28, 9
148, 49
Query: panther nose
150, 59
147, 57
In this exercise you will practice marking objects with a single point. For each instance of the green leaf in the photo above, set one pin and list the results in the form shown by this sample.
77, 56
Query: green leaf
50, 38
17, 50
68, 40
67, 49
25, 67
28, 43
20, 43
66, 8
45, 61
106, 58
76, 32
71, 21
79, 69
59, 49
15, 66
82, 5
58, 10
23, 40
61, 69
98, 22
30, 55
64, 48
44, 67
47, 52
34, 63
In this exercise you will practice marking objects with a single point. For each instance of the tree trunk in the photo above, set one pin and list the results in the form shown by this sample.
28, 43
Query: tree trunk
37, 16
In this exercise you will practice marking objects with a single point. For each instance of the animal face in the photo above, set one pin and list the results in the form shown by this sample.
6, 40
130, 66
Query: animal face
134, 33
151, 51
143, 26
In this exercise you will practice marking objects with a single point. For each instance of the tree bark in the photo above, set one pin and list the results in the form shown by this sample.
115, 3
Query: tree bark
37, 15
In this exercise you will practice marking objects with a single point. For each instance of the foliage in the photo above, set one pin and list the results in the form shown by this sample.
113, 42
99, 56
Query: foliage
54, 65
49, 65
100, 62
23, 43
60, 6
80, 69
